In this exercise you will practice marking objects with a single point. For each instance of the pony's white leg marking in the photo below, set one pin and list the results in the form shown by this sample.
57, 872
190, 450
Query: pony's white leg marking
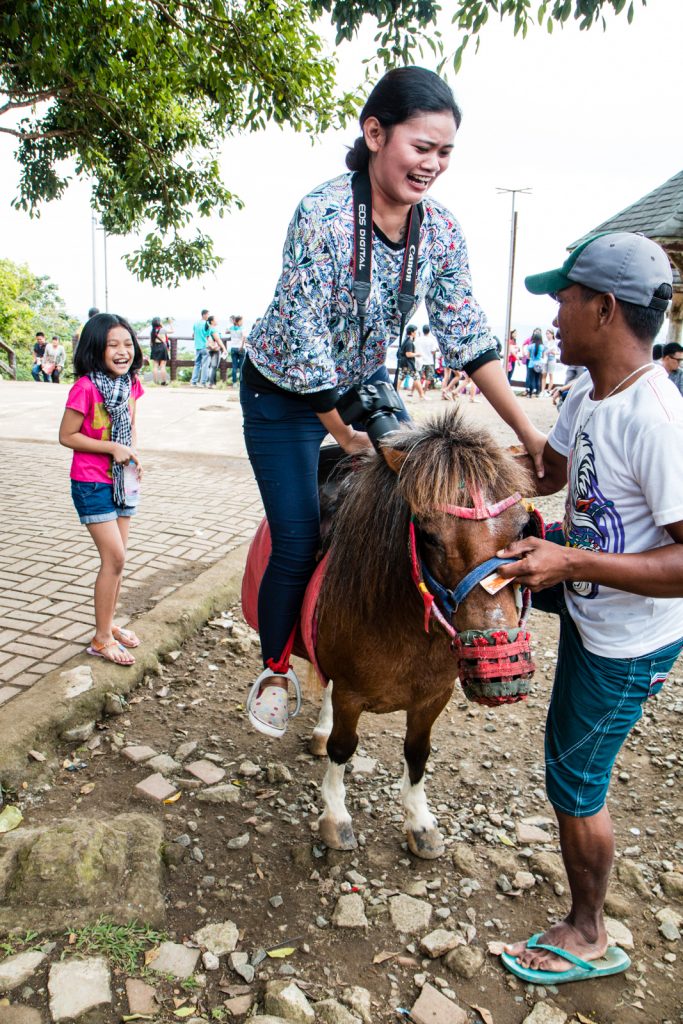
333, 794
418, 816
336, 830
323, 727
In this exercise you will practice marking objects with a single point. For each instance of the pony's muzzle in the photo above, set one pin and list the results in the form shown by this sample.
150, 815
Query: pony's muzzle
494, 666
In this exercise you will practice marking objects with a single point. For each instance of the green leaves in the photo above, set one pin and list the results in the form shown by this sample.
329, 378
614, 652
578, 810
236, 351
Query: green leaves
138, 97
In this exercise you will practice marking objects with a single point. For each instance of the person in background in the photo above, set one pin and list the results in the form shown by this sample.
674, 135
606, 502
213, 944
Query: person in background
38, 353
560, 391
409, 362
93, 311
158, 351
199, 337
550, 354
512, 354
428, 349
657, 353
672, 358
53, 360
215, 351
236, 343
534, 363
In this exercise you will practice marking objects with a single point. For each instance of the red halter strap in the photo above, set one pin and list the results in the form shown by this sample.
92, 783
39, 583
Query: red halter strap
480, 510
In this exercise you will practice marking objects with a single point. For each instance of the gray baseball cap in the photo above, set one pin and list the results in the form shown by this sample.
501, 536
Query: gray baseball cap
629, 266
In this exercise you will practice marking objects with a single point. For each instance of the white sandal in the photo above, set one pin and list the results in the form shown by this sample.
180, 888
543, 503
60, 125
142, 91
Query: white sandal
268, 710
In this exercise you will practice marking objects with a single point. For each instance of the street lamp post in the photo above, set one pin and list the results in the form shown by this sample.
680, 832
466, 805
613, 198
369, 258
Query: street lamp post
511, 270
93, 228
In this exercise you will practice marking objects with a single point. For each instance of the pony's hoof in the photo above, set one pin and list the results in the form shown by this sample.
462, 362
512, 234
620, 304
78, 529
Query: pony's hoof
338, 835
317, 745
427, 844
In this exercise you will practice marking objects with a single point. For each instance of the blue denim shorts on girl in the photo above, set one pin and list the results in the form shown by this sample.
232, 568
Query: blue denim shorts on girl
595, 703
95, 502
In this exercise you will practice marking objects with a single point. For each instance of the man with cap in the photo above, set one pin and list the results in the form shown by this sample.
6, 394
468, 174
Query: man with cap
672, 360
613, 570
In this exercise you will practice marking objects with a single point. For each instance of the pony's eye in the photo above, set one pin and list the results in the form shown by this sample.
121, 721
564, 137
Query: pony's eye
431, 539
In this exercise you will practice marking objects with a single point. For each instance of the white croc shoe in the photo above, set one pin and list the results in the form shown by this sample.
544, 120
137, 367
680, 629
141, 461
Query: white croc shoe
268, 709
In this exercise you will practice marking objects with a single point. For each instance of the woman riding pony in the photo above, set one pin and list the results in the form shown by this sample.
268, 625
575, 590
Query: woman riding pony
362, 251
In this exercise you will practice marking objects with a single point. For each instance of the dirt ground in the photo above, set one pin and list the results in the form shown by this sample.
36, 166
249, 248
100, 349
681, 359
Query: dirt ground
485, 775
280, 884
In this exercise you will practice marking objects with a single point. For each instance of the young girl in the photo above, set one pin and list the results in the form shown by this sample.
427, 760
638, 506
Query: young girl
99, 425
158, 351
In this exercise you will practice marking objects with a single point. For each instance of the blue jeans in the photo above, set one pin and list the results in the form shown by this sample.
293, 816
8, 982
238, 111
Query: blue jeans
200, 356
37, 371
283, 437
236, 360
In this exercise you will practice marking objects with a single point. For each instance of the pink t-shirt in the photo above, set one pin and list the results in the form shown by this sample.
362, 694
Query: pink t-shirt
85, 398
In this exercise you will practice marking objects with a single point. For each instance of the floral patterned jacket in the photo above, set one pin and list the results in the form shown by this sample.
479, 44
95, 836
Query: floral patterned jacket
309, 338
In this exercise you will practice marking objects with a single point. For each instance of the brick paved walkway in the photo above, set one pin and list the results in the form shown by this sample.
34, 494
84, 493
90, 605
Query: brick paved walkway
194, 510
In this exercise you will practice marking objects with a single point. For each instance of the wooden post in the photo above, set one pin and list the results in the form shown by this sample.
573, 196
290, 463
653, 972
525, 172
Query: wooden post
174, 357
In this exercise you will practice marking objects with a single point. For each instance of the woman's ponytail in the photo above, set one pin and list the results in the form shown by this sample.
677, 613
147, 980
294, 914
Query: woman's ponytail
358, 158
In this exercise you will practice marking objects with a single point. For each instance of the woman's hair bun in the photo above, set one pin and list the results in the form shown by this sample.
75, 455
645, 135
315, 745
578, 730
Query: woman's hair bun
358, 157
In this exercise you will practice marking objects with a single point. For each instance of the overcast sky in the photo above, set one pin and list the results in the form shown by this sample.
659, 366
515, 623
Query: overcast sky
587, 120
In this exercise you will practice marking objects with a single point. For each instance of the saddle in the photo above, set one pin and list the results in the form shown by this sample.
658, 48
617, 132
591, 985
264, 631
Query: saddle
334, 467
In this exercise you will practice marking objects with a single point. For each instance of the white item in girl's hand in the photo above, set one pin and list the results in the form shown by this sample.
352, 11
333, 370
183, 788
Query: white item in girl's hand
131, 483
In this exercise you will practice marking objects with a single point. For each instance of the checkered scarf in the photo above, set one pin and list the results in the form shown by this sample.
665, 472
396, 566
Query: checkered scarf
116, 394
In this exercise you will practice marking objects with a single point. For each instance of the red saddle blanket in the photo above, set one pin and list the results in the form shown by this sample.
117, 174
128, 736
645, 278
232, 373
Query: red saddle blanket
304, 638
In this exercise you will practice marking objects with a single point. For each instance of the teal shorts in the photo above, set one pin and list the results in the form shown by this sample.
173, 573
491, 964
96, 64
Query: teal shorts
595, 703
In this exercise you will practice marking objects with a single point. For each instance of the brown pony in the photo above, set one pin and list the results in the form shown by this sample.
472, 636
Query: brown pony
460, 491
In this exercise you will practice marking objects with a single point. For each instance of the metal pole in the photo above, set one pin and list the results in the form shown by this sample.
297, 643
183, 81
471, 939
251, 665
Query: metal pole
511, 280
106, 280
511, 269
93, 228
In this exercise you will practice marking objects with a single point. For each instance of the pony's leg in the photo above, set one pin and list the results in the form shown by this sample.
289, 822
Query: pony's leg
336, 830
323, 727
424, 838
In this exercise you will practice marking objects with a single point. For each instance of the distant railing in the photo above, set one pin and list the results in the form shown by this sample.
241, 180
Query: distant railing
11, 366
223, 366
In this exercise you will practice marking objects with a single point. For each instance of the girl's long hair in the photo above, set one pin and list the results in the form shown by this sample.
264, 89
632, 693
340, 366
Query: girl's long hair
156, 328
89, 354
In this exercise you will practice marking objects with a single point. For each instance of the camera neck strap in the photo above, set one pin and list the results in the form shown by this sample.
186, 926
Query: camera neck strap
362, 255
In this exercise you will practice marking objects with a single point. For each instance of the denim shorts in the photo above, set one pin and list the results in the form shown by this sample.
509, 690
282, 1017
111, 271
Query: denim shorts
95, 502
595, 703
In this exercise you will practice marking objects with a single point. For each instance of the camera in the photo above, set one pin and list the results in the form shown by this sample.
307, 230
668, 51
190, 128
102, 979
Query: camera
372, 406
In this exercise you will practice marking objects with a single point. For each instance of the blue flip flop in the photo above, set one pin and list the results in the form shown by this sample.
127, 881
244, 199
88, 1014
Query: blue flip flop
614, 961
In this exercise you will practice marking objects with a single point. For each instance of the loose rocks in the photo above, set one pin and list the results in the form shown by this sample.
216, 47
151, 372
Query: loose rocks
408, 915
15, 970
465, 961
285, 999
175, 959
350, 912
219, 939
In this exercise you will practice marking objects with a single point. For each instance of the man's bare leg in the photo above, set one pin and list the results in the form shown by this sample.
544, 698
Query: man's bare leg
588, 852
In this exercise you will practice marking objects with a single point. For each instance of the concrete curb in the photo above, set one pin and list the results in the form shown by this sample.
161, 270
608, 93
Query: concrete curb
38, 719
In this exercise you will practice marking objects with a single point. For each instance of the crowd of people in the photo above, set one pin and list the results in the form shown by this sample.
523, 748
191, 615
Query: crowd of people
49, 359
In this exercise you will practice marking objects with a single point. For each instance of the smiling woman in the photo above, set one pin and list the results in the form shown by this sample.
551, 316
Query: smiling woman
362, 252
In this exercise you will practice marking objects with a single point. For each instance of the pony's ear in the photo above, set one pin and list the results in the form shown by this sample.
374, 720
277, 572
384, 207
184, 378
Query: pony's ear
393, 458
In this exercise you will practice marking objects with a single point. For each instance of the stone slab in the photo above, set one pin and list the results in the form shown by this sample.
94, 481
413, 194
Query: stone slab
156, 788
16, 970
175, 959
409, 915
141, 997
434, 1008
206, 772
18, 1014
77, 986
139, 754
70, 872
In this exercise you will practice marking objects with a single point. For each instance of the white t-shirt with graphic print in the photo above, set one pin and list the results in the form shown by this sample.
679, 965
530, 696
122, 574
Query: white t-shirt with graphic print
625, 470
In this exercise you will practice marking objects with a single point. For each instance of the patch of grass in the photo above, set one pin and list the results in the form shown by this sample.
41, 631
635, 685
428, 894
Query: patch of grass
12, 944
122, 944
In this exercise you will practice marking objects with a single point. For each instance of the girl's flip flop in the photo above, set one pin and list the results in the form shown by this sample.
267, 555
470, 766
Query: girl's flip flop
614, 961
126, 637
101, 651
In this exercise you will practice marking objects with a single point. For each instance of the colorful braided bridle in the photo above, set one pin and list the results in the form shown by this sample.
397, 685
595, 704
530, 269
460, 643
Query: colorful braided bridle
494, 665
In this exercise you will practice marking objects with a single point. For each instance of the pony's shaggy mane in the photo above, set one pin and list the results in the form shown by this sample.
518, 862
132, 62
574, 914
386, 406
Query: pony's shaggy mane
368, 572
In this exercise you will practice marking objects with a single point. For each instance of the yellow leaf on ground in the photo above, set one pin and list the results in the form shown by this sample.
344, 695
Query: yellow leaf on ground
185, 1011
282, 951
87, 789
150, 956
172, 799
483, 1013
